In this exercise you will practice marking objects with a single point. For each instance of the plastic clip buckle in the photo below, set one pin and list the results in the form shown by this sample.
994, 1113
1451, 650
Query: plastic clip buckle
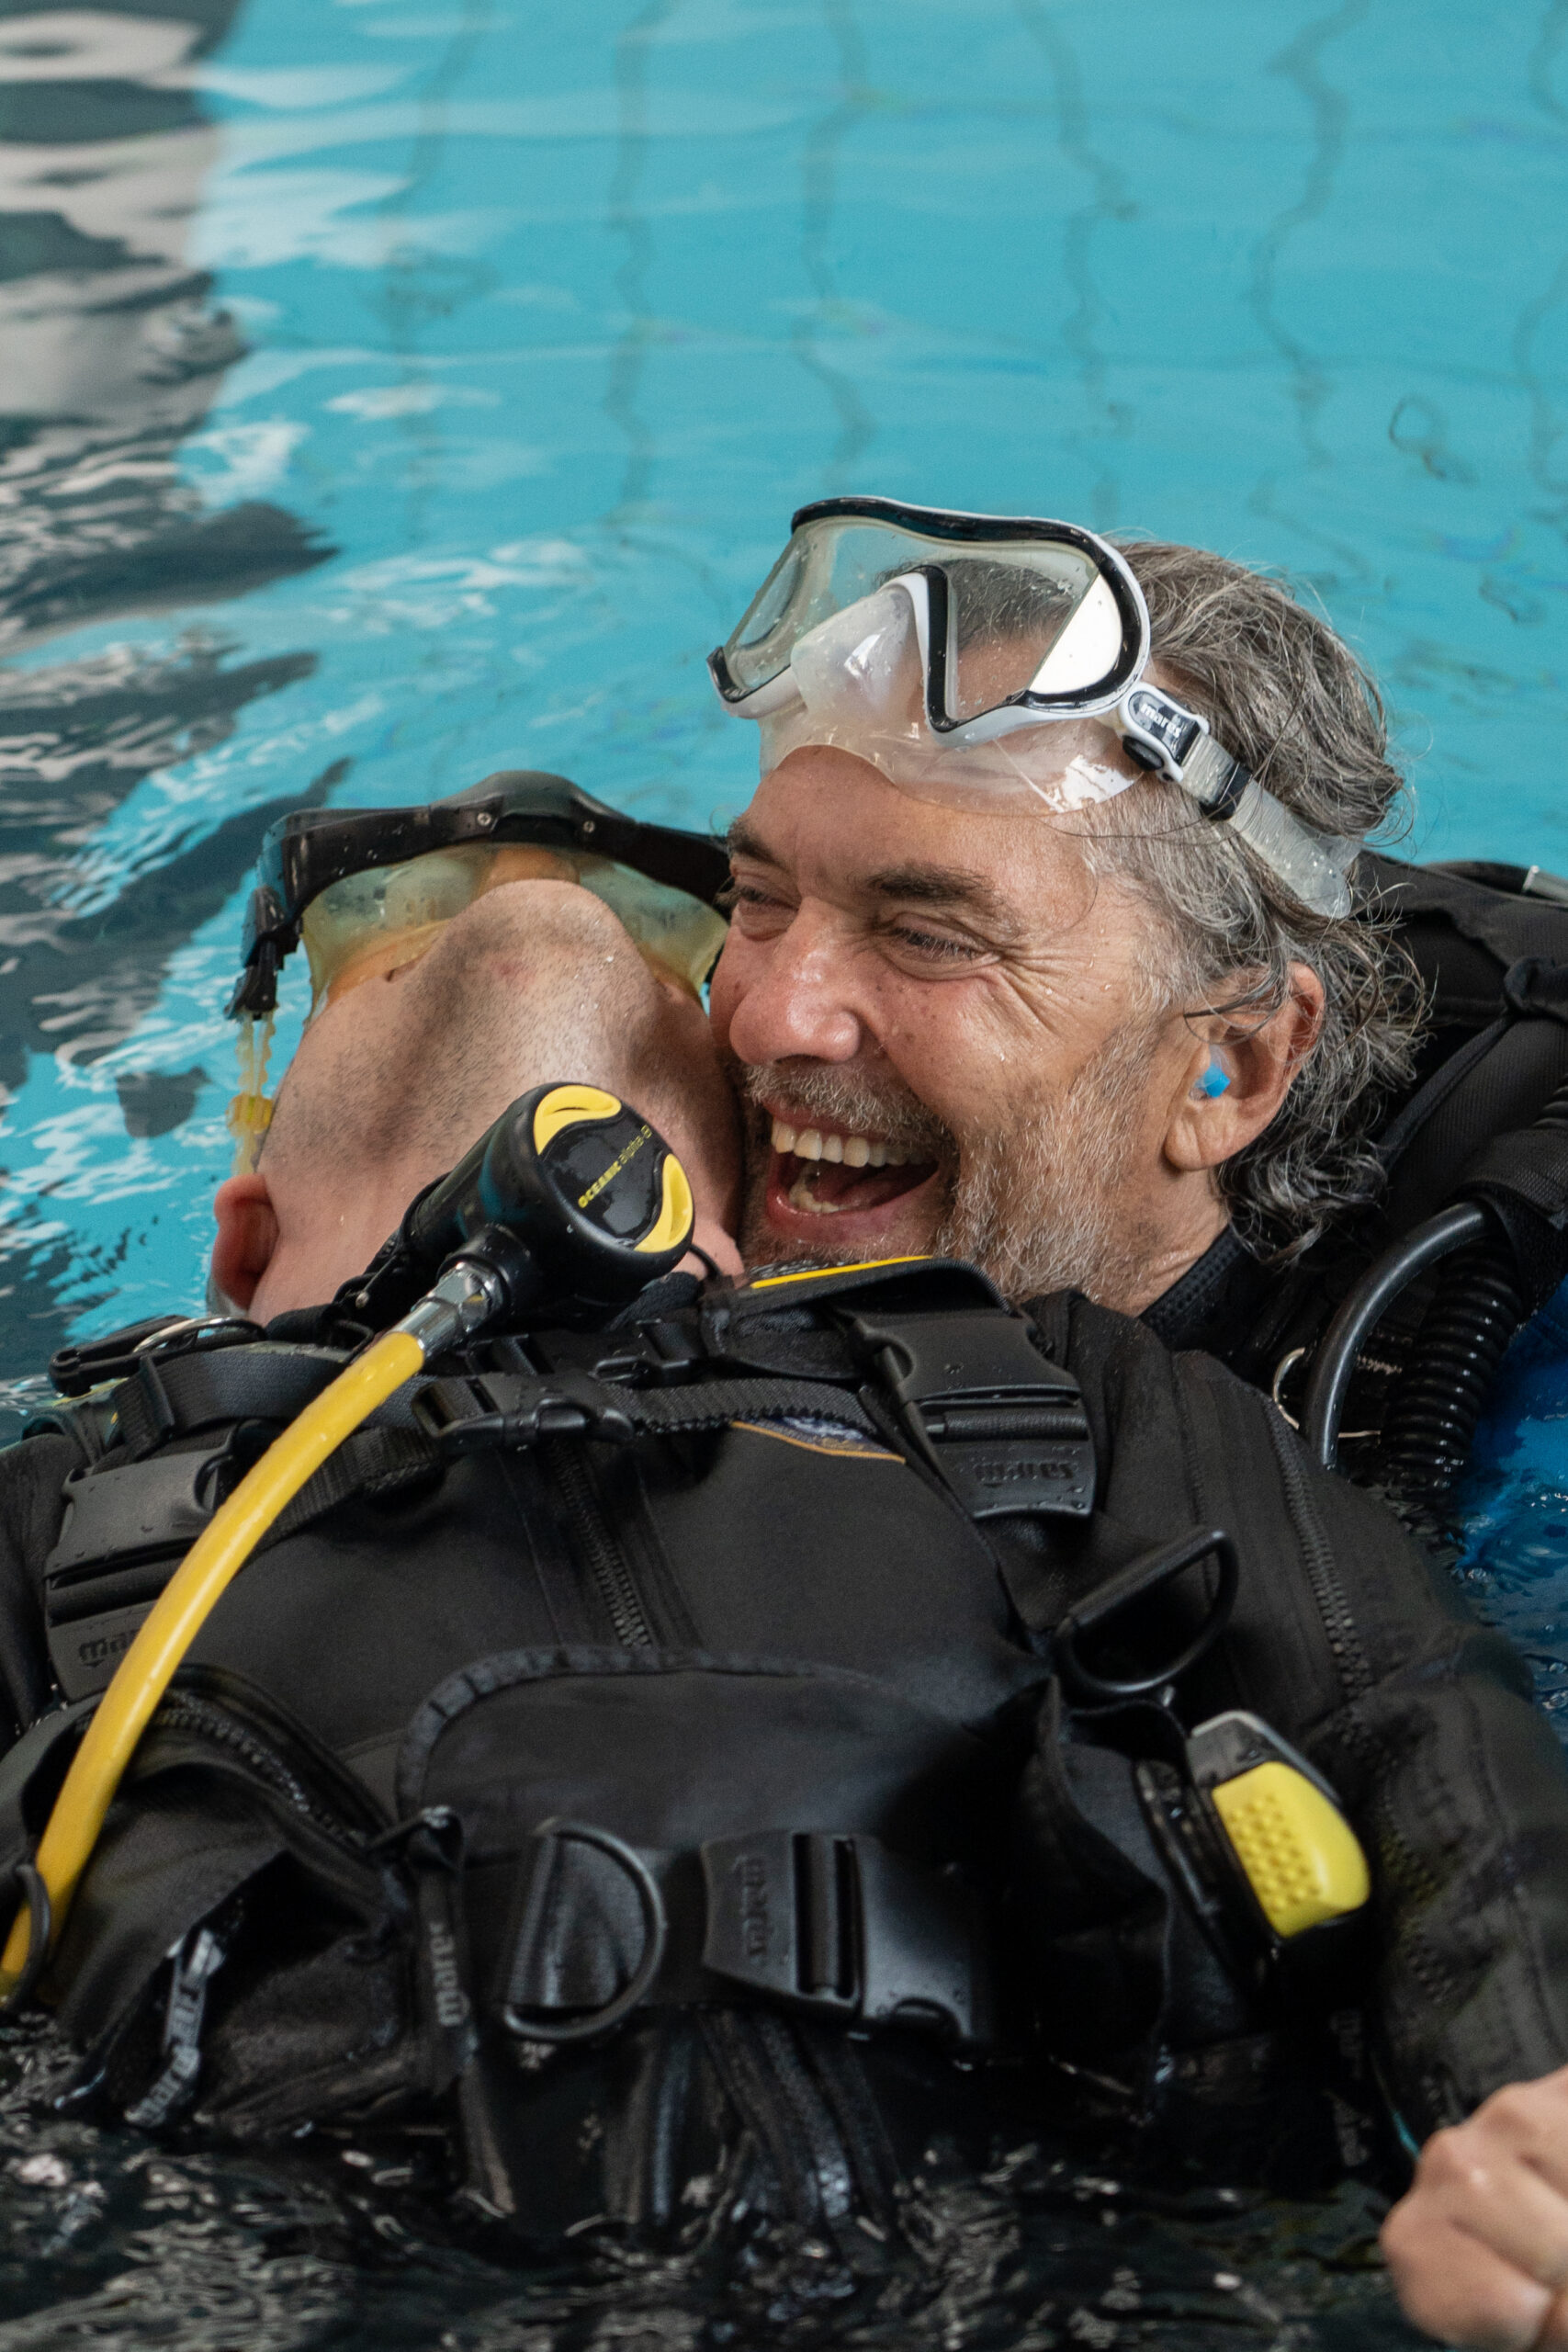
1000, 1424
840, 1925
510, 1411
1159, 732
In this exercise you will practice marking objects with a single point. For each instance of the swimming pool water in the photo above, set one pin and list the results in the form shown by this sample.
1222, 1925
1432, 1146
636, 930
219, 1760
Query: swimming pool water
401, 389
398, 389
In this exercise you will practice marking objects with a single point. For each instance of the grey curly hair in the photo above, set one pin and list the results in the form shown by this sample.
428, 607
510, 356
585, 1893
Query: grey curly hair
1286, 695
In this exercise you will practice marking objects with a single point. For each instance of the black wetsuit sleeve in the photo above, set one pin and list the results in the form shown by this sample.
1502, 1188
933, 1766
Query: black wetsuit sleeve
32, 1478
1348, 1641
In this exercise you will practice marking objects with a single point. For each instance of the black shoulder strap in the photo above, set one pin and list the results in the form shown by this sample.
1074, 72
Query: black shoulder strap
196, 1392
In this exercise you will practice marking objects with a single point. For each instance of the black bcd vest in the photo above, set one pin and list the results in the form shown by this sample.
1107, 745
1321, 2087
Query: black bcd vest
627, 1715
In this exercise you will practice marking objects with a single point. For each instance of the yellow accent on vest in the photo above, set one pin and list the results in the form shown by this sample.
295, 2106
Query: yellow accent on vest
1301, 1858
820, 1273
818, 1446
562, 1104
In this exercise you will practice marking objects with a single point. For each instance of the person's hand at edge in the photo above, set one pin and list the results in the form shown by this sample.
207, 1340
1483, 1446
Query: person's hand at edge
1478, 2246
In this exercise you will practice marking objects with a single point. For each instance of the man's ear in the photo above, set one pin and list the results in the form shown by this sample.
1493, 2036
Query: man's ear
247, 1236
1237, 1074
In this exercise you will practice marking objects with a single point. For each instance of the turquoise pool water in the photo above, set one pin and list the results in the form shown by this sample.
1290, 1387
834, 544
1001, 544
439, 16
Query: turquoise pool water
401, 388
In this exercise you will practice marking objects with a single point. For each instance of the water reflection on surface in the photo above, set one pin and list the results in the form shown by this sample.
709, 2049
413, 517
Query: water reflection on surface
545, 320
115, 349
115, 2242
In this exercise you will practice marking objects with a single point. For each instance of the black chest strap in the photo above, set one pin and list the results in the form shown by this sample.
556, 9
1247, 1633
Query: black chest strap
1003, 1428
498, 1409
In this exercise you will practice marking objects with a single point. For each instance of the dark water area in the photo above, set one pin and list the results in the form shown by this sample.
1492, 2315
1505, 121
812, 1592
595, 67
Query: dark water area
109, 2240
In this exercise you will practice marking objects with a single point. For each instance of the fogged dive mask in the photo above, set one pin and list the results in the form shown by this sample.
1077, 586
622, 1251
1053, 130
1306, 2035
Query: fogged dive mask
948, 648
368, 891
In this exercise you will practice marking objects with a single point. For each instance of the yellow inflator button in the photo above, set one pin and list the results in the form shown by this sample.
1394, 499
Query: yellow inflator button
1301, 1858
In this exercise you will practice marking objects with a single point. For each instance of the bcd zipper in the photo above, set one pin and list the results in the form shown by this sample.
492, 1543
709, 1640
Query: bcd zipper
595, 1543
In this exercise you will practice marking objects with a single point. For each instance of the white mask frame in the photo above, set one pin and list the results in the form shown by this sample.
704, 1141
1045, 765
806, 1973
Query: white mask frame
1094, 666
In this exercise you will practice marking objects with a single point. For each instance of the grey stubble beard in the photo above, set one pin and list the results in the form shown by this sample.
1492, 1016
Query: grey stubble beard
1040, 1207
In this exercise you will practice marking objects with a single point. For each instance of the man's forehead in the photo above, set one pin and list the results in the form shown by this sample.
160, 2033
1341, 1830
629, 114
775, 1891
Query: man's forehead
872, 840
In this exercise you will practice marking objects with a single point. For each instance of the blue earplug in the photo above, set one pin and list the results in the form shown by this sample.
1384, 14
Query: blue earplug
1215, 1080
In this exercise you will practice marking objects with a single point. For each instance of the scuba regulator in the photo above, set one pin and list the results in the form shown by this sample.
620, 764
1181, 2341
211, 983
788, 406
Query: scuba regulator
570, 1202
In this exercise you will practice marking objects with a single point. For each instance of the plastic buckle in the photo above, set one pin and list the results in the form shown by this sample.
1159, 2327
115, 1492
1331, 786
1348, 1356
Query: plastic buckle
1159, 732
271, 934
838, 1925
1000, 1424
74, 1370
506, 1411
659, 1355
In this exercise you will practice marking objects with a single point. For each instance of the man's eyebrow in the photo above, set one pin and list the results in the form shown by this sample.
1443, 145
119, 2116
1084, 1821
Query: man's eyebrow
743, 841
940, 886
928, 886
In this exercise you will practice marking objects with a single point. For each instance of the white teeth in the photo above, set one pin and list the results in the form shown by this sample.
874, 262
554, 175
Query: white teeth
803, 1195
850, 1151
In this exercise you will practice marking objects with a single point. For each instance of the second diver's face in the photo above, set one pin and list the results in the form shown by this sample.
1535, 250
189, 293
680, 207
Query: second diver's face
939, 1022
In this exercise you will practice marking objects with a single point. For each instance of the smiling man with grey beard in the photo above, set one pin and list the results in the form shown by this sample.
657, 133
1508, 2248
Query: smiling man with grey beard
952, 1033
1025, 1003
1069, 1028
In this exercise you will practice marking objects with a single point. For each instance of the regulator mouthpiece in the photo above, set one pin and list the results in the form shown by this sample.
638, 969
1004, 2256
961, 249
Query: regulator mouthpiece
571, 1201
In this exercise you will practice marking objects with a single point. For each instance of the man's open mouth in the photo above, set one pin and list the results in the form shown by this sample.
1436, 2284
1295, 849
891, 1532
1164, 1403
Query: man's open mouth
828, 1171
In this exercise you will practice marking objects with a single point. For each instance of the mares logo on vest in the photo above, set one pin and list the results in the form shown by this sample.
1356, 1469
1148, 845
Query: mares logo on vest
448, 1999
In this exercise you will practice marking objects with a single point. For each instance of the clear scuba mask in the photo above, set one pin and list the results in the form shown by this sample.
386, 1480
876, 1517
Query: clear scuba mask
948, 649
368, 891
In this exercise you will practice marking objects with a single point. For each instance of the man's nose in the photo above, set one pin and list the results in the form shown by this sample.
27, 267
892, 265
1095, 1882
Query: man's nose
799, 1001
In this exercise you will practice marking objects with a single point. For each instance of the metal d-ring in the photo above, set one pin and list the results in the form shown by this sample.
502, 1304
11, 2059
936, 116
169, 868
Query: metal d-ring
40, 1932
1145, 1577
528, 2024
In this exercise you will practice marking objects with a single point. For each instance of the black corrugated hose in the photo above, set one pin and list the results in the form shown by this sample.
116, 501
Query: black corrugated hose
1439, 1400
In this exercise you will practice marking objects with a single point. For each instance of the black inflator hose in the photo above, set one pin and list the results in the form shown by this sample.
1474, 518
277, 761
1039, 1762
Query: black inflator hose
1439, 1398
1452, 1228
1464, 1335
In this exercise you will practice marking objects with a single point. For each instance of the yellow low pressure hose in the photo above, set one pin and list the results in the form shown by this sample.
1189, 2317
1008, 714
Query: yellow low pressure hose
216, 1558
